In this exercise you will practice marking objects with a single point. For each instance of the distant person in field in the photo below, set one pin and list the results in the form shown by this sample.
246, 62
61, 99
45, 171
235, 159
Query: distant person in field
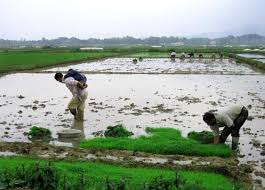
182, 55
232, 119
173, 55
191, 54
76, 83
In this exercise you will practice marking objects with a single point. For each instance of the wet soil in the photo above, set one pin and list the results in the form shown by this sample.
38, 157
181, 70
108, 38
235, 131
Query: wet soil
163, 99
227, 166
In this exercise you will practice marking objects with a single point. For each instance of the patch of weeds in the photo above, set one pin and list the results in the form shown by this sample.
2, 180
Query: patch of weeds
159, 183
74, 175
238, 186
39, 133
6, 179
179, 183
40, 177
115, 185
204, 137
117, 131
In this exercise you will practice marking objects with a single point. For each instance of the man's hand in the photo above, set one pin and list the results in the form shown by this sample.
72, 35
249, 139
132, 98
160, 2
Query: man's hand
216, 139
80, 85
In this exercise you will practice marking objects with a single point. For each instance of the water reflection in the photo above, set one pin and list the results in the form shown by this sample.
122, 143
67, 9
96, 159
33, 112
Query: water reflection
76, 135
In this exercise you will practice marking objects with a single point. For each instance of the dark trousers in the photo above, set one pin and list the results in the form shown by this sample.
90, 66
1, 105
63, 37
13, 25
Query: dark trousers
238, 122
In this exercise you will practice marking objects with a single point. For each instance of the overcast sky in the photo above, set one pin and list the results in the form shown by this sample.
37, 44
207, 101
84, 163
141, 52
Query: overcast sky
34, 19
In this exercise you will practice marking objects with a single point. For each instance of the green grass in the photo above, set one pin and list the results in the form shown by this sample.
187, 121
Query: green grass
205, 137
161, 141
17, 61
32, 58
252, 62
136, 177
26, 59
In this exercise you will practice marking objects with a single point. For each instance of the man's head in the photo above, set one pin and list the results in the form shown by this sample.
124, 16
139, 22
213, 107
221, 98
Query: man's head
58, 77
209, 118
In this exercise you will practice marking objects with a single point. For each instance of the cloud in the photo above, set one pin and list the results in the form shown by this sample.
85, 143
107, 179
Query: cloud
33, 19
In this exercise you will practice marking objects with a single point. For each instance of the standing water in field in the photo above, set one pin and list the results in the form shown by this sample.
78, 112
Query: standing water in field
161, 66
137, 100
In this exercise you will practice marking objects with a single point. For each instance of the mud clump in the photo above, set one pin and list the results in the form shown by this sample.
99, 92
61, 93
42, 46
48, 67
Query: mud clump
162, 109
189, 100
250, 118
34, 108
3, 123
204, 137
98, 133
256, 143
213, 103
21, 97
260, 173
117, 131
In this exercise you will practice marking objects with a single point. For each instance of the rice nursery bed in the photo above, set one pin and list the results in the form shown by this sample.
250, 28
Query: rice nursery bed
35, 173
160, 141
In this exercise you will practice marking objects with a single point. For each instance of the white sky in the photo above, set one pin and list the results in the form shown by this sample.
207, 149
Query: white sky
34, 19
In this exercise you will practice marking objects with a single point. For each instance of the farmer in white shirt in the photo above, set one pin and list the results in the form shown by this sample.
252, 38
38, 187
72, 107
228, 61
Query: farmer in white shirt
78, 90
173, 54
231, 119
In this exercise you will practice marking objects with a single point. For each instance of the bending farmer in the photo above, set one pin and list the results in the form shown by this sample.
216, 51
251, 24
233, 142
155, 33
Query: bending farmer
231, 119
76, 83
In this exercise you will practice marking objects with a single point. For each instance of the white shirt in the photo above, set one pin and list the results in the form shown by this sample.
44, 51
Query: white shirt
226, 118
71, 84
173, 53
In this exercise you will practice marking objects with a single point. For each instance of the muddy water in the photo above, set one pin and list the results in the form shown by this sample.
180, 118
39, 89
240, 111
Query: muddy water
252, 55
136, 100
158, 66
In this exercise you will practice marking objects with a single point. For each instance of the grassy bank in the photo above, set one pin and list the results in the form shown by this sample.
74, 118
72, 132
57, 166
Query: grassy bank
19, 60
161, 141
251, 62
89, 175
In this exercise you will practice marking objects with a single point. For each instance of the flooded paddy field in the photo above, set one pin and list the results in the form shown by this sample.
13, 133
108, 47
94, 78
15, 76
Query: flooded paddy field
161, 66
139, 100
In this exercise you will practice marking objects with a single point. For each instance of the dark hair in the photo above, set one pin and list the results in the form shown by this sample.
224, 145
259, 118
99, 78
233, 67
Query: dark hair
208, 116
58, 75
